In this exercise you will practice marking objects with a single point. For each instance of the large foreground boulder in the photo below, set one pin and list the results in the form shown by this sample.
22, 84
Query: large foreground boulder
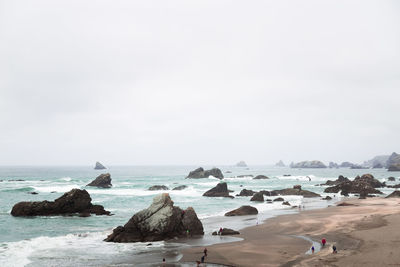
363, 185
161, 221
99, 166
103, 181
220, 190
243, 210
309, 164
201, 173
74, 201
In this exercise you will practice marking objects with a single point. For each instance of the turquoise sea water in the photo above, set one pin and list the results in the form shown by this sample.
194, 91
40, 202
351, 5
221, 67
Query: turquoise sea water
76, 241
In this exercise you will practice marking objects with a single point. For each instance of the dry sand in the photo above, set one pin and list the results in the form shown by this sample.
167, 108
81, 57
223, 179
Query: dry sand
366, 234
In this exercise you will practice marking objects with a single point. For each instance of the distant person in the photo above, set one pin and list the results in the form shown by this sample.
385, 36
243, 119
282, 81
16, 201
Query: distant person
334, 249
323, 242
205, 252
163, 262
312, 249
187, 232
220, 231
202, 259
198, 263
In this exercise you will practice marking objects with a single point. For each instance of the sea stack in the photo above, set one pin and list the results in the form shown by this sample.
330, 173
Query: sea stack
102, 181
99, 166
161, 221
241, 164
201, 173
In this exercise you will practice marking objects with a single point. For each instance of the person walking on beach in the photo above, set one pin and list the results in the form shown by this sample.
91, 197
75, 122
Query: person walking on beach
334, 249
205, 252
312, 249
323, 242
220, 231
202, 259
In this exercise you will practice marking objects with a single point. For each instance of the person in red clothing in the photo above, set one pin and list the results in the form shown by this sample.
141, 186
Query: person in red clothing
323, 242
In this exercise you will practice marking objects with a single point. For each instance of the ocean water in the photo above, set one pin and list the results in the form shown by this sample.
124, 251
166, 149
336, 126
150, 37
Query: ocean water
76, 241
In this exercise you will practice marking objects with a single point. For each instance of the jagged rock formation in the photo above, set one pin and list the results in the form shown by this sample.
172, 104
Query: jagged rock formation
333, 165
260, 177
363, 185
220, 190
258, 197
158, 187
243, 210
246, 193
201, 173
339, 180
161, 221
346, 164
72, 202
280, 164
181, 187
241, 164
103, 181
99, 166
309, 164
381, 160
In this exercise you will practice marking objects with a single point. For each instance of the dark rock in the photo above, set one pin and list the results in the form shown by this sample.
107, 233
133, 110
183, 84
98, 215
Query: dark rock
279, 199
286, 203
241, 164
18, 180
394, 186
243, 210
221, 190
99, 166
74, 201
161, 221
345, 204
34, 193
287, 175
103, 181
363, 185
84, 214
267, 193
327, 198
181, 187
394, 168
294, 192
259, 177
309, 164
258, 197
201, 173
339, 180
297, 187
394, 194
392, 179
227, 231
244, 175
228, 172
246, 193
280, 164
158, 187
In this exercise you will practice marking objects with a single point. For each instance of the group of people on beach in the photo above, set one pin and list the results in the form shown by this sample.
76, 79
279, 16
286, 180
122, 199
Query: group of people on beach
323, 242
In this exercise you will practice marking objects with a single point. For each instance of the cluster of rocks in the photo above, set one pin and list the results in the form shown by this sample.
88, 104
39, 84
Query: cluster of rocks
76, 201
295, 191
102, 181
308, 164
161, 221
201, 173
364, 185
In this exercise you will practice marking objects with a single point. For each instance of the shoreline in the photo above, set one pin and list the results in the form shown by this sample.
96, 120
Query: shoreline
354, 230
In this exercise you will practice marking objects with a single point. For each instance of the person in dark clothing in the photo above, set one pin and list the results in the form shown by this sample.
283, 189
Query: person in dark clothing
205, 252
202, 259
312, 249
334, 249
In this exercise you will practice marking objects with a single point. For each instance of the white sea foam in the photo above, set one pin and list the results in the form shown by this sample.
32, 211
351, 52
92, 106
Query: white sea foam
67, 179
56, 188
24, 252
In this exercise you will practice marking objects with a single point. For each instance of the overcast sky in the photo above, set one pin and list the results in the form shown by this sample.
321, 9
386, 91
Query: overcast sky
198, 82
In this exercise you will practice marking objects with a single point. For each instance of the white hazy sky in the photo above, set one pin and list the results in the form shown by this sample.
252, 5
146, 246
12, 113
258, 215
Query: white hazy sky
198, 82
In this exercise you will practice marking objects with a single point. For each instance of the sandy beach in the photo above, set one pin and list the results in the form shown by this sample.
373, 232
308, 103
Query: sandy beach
365, 234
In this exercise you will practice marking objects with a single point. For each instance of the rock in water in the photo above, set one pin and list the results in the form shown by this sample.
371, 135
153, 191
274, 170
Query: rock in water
258, 197
103, 181
99, 166
309, 164
246, 193
393, 160
74, 201
158, 187
363, 185
181, 187
201, 173
220, 190
161, 221
243, 210
260, 177
280, 164
241, 164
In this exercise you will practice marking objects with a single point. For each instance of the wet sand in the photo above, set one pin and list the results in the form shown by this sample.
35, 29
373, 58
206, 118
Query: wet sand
365, 234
